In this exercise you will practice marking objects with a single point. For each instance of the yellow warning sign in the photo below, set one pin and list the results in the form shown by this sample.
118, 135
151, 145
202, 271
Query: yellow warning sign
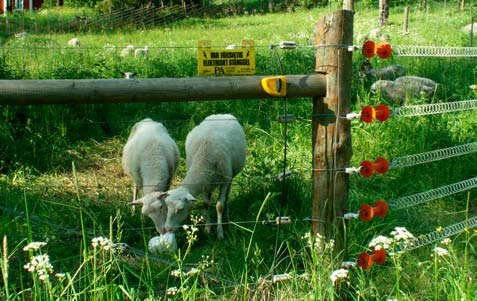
234, 60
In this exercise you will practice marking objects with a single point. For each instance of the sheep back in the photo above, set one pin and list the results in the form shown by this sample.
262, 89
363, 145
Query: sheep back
150, 156
218, 142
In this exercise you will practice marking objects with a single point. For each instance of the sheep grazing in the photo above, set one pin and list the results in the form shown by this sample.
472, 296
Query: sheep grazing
216, 151
404, 87
141, 51
128, 75
74, 42
150, 157
21, 35
387, 73
128, 50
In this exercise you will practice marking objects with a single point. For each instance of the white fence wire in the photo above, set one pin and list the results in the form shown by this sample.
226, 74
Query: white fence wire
419, 198
435, 155
436, 108
434, 51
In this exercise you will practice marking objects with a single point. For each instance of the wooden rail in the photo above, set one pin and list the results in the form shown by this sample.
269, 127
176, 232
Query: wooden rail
65, 91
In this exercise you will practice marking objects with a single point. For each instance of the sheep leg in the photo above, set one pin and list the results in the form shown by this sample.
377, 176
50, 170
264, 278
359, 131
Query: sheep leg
135, 193
221, 204
206, 213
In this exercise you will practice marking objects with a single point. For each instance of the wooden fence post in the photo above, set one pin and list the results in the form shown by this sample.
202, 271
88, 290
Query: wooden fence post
331, 135
406, 19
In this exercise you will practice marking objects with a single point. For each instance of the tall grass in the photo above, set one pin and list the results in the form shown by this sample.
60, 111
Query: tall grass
61, 180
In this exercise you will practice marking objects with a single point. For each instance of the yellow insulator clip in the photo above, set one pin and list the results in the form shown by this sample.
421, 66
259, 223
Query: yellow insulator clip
275, 86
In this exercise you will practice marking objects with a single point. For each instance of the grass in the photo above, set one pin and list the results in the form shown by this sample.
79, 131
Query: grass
62, 184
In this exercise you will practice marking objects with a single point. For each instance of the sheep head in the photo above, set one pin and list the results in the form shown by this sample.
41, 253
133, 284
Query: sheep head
179, 203
153, 206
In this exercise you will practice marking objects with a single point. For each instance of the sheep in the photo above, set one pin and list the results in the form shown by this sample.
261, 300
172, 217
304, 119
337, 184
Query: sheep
128, 75
21, 35
215, 153
141, 51
405, 86
150, 157
74, 42
387, 73
128, 50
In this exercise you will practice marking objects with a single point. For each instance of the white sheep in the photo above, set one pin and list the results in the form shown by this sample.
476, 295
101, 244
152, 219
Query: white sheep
388, 73
404, 87
128, 75
141, 51
216, 151
150, 157
128, 50
74, 42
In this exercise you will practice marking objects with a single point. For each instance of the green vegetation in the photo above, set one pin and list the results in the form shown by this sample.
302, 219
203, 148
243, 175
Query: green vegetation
61, 181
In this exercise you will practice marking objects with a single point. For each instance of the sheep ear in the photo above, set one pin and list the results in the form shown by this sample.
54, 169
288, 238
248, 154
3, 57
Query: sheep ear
136, 202
190, 197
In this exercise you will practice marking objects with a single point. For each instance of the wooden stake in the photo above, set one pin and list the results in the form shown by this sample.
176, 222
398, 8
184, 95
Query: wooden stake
331, 135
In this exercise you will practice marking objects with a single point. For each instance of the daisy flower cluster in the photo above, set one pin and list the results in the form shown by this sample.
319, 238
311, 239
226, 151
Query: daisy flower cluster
338, 274
380, 242
39, 264
403, 237
102, 243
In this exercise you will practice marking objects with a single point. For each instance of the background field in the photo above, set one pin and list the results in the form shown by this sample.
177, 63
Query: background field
61, 180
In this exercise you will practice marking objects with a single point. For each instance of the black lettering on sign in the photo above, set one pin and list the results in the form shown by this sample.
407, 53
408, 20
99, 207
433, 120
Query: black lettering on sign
207, 63
239, 62
231, 55
219, 70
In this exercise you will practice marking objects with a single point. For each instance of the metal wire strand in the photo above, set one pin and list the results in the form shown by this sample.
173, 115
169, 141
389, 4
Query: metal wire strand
436, 108
433, 51
437, 235
419, 198
435, 155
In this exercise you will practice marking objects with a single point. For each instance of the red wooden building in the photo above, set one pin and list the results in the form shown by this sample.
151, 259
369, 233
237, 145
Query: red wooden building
21, 5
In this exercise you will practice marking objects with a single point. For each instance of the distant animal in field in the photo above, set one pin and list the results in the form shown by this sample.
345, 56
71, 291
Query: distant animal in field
387, 73
404, 88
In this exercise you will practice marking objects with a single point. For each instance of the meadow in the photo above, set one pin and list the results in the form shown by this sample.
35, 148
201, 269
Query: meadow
62, 186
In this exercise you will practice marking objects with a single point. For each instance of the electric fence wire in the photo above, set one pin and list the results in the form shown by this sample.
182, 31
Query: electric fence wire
434, 51
283, 199
434, 155
437, 235
433, 194
435, 108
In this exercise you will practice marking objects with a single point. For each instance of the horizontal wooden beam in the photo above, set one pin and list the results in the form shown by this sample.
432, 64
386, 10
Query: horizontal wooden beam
91, 91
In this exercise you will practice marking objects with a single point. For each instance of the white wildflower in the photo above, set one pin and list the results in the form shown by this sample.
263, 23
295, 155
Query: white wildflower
441, 252
446, 241
315, 242
176, 273
403, 237
60, 275
102, 243
197, 219
380, 242
401, 233
41, 265
34, 246
172, 291
338, 274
